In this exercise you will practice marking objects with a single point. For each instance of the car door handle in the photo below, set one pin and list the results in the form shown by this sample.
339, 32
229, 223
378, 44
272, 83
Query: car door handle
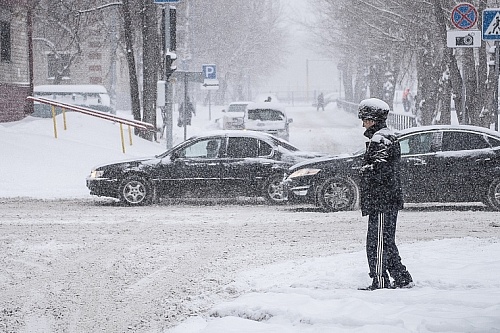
483, 159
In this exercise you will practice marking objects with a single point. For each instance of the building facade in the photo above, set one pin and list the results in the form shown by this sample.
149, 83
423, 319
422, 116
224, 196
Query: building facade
94, 57
15, 81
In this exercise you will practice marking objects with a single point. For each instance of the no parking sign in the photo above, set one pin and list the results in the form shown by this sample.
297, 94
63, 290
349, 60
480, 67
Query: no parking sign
464, 16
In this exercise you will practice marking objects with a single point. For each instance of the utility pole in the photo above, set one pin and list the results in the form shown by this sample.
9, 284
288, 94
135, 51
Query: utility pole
495, 91
169, 18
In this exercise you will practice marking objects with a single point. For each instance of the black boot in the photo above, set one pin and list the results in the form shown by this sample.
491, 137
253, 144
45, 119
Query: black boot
404, 280
382, 283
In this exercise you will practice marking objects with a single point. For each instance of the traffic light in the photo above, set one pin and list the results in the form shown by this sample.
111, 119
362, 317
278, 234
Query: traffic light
169, 66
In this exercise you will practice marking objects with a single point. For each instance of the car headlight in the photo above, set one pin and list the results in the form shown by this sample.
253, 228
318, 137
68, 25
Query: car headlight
96, 173
304, 172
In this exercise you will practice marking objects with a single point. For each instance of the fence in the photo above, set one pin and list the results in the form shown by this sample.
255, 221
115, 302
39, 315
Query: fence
122, 121
395, 120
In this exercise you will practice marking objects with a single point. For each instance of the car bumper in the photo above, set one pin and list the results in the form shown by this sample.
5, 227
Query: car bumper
297, 191
103, 187
233, 123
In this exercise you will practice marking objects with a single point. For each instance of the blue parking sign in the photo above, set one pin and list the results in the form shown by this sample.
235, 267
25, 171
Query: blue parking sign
209, 72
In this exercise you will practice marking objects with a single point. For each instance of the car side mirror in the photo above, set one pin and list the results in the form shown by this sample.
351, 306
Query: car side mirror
290, 120
175, 155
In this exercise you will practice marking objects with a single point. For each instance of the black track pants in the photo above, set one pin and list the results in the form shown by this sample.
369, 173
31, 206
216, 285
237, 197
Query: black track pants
381, 249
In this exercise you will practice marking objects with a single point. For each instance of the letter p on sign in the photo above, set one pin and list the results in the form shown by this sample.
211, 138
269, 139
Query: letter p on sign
209, 72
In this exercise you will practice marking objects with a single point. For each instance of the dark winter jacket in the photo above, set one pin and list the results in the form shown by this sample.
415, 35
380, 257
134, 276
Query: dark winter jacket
380, 174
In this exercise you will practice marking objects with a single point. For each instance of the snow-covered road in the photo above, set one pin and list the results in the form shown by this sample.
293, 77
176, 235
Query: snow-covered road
88, 265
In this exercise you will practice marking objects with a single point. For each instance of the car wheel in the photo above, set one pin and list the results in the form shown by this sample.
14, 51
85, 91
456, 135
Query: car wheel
273, 190
335, 194
136, 191
493, 196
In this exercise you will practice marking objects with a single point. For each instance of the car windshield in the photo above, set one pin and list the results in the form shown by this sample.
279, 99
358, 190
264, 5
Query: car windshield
284, 144
237, 108
265, 114
359, 151
169, 151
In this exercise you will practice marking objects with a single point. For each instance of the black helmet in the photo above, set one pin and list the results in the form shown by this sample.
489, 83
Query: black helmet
373, 109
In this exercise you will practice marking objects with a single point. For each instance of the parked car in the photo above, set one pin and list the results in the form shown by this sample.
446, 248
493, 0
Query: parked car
88, 95
438, 164
233, 117
223, 163
268, 117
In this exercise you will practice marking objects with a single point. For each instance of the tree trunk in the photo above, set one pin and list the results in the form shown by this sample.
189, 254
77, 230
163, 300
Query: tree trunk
150, 64
483, 87
471, 105
428, 86
450, 73
346, 70
134, 85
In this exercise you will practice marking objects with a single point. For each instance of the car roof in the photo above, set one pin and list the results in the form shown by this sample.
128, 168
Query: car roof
237, 133
448, 127
240, 103
267, 105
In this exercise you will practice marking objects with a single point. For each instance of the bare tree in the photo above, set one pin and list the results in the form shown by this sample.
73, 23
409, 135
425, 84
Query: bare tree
373, 38
244, 38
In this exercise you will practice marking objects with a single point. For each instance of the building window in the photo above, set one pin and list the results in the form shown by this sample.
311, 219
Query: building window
95, 56
58, 65
95, 80
5, 47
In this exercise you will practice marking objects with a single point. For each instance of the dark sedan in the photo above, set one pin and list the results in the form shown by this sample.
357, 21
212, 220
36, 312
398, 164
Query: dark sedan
222, 164
438, 164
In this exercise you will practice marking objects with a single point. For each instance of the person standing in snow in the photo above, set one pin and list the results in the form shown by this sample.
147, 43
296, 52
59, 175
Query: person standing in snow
321, 102
406, 100
381, 196
188, 113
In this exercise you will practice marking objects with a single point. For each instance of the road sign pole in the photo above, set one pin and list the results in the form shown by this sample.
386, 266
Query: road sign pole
209, 105
185, 109
495, 94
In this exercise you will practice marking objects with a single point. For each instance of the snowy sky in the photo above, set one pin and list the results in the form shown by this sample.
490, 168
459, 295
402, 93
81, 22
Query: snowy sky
457, 286
323, 75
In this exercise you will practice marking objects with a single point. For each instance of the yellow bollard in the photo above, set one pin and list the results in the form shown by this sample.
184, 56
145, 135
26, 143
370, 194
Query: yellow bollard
121, 136
54, 120
130, 134
64, 118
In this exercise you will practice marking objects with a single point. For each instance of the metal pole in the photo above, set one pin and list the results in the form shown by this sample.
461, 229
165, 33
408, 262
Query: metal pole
307, 80
169, 114
497, 71
168, 36
184, 111
465, 118
209, 105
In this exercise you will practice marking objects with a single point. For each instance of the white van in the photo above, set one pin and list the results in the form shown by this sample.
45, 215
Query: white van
89, 95
268, 117
234, 115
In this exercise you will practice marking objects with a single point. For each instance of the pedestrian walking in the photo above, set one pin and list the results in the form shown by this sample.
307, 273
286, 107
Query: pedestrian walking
381, 197
406, 100
188, 114
321, 102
